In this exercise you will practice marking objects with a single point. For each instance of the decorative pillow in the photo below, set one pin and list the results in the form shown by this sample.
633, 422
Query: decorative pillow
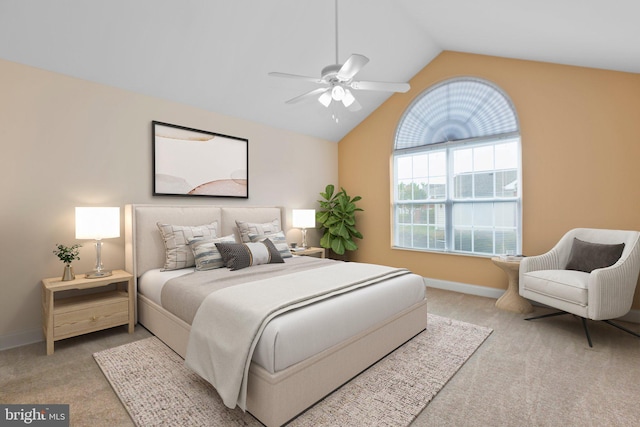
586, 256
241, 255
278, 239
246, 228
206, 254
176, 238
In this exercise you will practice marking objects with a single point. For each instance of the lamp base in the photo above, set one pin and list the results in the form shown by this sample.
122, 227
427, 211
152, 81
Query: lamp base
98, 274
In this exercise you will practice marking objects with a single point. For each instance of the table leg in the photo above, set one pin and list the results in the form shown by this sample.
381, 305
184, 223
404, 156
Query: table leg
511, 299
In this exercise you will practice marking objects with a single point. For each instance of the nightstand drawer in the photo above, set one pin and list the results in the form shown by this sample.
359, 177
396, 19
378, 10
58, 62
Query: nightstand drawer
80, 318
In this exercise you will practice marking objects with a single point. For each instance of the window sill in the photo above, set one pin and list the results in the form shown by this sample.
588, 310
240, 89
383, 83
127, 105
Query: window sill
430, 251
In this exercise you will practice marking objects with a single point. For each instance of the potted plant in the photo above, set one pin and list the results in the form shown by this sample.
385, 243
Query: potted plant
337, 217
67, 254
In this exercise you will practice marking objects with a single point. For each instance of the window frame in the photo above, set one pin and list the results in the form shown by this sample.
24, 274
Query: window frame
450, 200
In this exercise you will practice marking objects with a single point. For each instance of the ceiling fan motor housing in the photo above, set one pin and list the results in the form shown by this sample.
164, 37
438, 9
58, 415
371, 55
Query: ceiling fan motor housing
330, 73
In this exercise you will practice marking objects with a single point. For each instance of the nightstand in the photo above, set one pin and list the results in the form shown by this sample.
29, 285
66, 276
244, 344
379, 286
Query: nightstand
311, 251
65, 317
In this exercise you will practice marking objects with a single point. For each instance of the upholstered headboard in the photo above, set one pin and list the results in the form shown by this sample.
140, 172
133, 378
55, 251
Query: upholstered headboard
144, 248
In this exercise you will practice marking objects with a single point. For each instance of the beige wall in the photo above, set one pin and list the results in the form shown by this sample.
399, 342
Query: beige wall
68, 142
580, 133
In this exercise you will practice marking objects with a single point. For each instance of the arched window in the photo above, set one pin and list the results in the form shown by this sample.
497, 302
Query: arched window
457, 171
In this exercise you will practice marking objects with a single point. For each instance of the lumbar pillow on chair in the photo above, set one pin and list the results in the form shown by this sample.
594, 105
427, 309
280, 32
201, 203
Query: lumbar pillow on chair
586, 256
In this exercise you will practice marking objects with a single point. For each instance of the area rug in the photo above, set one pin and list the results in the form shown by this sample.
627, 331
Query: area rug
157, 388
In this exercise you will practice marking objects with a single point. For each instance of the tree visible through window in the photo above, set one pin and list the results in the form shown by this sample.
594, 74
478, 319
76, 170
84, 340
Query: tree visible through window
457, 171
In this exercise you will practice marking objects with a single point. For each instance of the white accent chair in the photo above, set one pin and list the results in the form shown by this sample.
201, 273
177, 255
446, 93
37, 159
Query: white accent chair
603, 294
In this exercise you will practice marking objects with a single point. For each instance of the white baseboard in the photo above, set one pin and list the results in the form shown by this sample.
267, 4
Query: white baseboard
483, 291
464, 288
19, 339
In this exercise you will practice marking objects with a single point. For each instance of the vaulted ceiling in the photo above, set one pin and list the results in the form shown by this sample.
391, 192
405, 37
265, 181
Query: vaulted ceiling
215, 54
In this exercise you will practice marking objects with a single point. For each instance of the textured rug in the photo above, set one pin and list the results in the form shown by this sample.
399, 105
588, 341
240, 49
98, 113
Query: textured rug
157, 388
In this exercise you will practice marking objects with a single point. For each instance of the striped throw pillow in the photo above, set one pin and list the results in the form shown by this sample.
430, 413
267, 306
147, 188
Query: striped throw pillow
206, 254
242, 255
278, 239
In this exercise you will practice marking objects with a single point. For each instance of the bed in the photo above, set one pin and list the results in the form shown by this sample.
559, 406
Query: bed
284, 377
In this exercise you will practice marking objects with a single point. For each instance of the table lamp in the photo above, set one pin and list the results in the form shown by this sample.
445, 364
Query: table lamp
304, 218
97, 223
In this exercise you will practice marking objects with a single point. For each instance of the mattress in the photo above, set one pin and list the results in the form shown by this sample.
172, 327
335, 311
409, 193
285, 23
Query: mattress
299, 334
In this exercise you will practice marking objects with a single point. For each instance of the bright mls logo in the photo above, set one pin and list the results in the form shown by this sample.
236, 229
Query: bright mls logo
34, 415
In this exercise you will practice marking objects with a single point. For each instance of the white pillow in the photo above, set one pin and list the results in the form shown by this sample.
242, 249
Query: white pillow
246, 228
176, 242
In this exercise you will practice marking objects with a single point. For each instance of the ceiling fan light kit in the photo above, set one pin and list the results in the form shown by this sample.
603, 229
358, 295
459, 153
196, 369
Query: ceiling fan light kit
337, 80
325, 98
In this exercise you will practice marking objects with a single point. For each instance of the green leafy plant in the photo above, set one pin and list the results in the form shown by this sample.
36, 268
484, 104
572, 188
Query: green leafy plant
337, 217
67, 254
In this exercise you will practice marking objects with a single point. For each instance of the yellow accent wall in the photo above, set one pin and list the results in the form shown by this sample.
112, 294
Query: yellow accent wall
580, 130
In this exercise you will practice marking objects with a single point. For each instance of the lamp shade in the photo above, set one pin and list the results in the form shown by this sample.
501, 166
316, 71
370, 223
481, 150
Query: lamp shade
96, 223
304, 218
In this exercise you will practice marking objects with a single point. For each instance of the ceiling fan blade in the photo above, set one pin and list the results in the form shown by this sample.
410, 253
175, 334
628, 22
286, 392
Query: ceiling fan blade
381, 86
297, 77
308, 95
351, 67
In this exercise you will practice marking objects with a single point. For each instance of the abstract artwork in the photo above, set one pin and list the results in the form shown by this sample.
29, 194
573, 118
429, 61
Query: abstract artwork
191, 162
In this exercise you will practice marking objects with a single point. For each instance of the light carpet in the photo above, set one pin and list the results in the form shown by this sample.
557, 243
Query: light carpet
157, 388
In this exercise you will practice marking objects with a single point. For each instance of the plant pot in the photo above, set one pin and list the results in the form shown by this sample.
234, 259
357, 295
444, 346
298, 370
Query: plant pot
68, 273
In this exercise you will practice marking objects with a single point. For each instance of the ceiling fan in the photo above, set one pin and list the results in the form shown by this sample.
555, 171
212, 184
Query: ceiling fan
337, 80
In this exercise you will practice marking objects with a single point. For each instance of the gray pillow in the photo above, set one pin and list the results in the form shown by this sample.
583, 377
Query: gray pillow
242, 255
587, 256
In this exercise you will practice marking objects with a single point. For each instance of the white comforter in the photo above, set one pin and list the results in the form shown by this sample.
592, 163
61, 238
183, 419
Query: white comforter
230, 321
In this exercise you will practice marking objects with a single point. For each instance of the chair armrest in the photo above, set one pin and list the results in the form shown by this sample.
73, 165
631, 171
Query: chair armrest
611, 289
546, 261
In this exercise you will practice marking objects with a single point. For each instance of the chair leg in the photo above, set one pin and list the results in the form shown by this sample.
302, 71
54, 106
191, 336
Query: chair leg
586, 331
559, 313
629, 331
584, 324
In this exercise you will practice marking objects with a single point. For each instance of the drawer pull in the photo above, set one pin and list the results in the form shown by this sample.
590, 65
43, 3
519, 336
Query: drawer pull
94, 318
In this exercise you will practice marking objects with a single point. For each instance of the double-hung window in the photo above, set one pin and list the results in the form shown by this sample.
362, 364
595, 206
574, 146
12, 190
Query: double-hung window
457, 172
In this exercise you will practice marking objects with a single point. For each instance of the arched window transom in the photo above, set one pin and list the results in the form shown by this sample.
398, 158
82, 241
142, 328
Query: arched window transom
456, 110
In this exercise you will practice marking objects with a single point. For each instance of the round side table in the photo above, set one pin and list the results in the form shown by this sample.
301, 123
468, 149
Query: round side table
511, 299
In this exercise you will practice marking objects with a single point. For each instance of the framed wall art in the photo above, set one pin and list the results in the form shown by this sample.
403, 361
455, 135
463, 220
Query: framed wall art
192, 162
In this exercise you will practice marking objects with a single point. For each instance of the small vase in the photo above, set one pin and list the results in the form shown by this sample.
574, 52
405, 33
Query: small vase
68, 273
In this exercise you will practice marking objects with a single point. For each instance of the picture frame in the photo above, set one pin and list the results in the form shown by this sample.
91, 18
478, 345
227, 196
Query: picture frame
198, 163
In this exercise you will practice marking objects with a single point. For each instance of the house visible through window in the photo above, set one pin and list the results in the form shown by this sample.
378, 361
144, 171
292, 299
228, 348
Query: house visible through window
457, 180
